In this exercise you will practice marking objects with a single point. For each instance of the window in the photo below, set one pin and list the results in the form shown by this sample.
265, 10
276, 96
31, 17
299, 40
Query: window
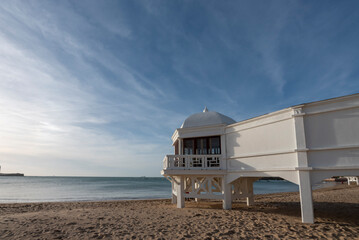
202, 146
188, 145
215, 146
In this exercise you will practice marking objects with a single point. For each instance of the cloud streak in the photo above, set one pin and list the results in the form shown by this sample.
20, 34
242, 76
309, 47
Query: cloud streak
47, 105
97, 88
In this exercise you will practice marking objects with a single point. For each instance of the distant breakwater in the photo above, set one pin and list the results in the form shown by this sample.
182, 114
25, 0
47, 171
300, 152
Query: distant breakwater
11, 174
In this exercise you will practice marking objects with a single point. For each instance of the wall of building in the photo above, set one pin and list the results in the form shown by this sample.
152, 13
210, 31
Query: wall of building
332, 133
266, 142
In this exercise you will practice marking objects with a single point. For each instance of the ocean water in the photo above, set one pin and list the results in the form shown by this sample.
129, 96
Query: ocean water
55, 189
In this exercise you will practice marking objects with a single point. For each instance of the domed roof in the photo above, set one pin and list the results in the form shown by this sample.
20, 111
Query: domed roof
206, 118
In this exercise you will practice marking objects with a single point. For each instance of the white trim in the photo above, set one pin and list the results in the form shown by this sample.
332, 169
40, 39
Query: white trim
264, 154
213, 130
303, 168
200, 128
259, 125
260, 117
336, 168
262, 170
301, 150
299, 115
174, 137
296, 169
336, 99
292, 151
333, 148
186, 172
331, 110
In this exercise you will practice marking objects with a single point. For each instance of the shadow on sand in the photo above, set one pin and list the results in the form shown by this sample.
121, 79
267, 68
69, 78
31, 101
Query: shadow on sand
325, 212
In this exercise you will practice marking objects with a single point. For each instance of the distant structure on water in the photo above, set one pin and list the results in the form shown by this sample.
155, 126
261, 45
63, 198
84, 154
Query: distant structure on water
216, 157
11, 174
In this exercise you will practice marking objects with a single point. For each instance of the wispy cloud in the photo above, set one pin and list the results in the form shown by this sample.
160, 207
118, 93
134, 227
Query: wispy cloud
49, 102
97, 88
267, 41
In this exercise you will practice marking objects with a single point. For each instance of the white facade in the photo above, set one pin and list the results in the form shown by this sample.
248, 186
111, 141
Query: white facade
303, 144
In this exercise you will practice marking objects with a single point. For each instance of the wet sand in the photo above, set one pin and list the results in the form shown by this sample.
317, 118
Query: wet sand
274, 216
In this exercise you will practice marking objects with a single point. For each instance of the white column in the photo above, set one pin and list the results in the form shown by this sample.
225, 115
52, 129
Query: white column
227, 194
195, 186
305, 186
306, 199
174, 188
223, 152
180, 193
250, 196
300, 140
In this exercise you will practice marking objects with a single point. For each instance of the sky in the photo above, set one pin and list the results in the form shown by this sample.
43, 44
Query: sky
97, 88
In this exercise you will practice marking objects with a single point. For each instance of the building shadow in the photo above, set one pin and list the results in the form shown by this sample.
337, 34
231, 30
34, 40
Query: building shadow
324, 212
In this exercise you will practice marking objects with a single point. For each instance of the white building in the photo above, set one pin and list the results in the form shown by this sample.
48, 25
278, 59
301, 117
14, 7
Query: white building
218, 158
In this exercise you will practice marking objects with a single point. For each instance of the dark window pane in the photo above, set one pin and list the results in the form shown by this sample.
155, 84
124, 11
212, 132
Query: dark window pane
204, 146
188, 146
198, 146
215, 147
201, 146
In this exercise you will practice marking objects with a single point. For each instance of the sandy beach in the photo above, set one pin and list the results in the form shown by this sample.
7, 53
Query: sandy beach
274, 216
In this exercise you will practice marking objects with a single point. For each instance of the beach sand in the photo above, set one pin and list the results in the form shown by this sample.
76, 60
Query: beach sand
274, 216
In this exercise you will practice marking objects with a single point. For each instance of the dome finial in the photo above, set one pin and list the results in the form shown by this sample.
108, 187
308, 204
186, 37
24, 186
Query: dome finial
205, 109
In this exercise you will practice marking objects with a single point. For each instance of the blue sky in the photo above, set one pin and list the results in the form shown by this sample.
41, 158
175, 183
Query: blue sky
96, 88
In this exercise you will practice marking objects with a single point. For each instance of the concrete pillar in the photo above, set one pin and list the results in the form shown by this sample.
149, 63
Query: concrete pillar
180, 193
250, 198
195, 186
174, 187
227, 194
306, 199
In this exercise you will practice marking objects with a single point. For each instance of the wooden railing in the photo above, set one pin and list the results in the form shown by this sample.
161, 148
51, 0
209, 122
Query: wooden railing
199, 162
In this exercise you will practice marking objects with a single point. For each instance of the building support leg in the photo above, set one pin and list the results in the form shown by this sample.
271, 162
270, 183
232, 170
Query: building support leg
227, 194
195, 187
180, 193
250, 196
306, 199
174, 188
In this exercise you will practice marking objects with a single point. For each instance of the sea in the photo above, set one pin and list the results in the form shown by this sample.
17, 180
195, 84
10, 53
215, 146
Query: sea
59, 189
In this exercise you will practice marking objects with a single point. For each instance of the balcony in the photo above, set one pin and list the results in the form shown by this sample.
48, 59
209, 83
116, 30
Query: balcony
192, 162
